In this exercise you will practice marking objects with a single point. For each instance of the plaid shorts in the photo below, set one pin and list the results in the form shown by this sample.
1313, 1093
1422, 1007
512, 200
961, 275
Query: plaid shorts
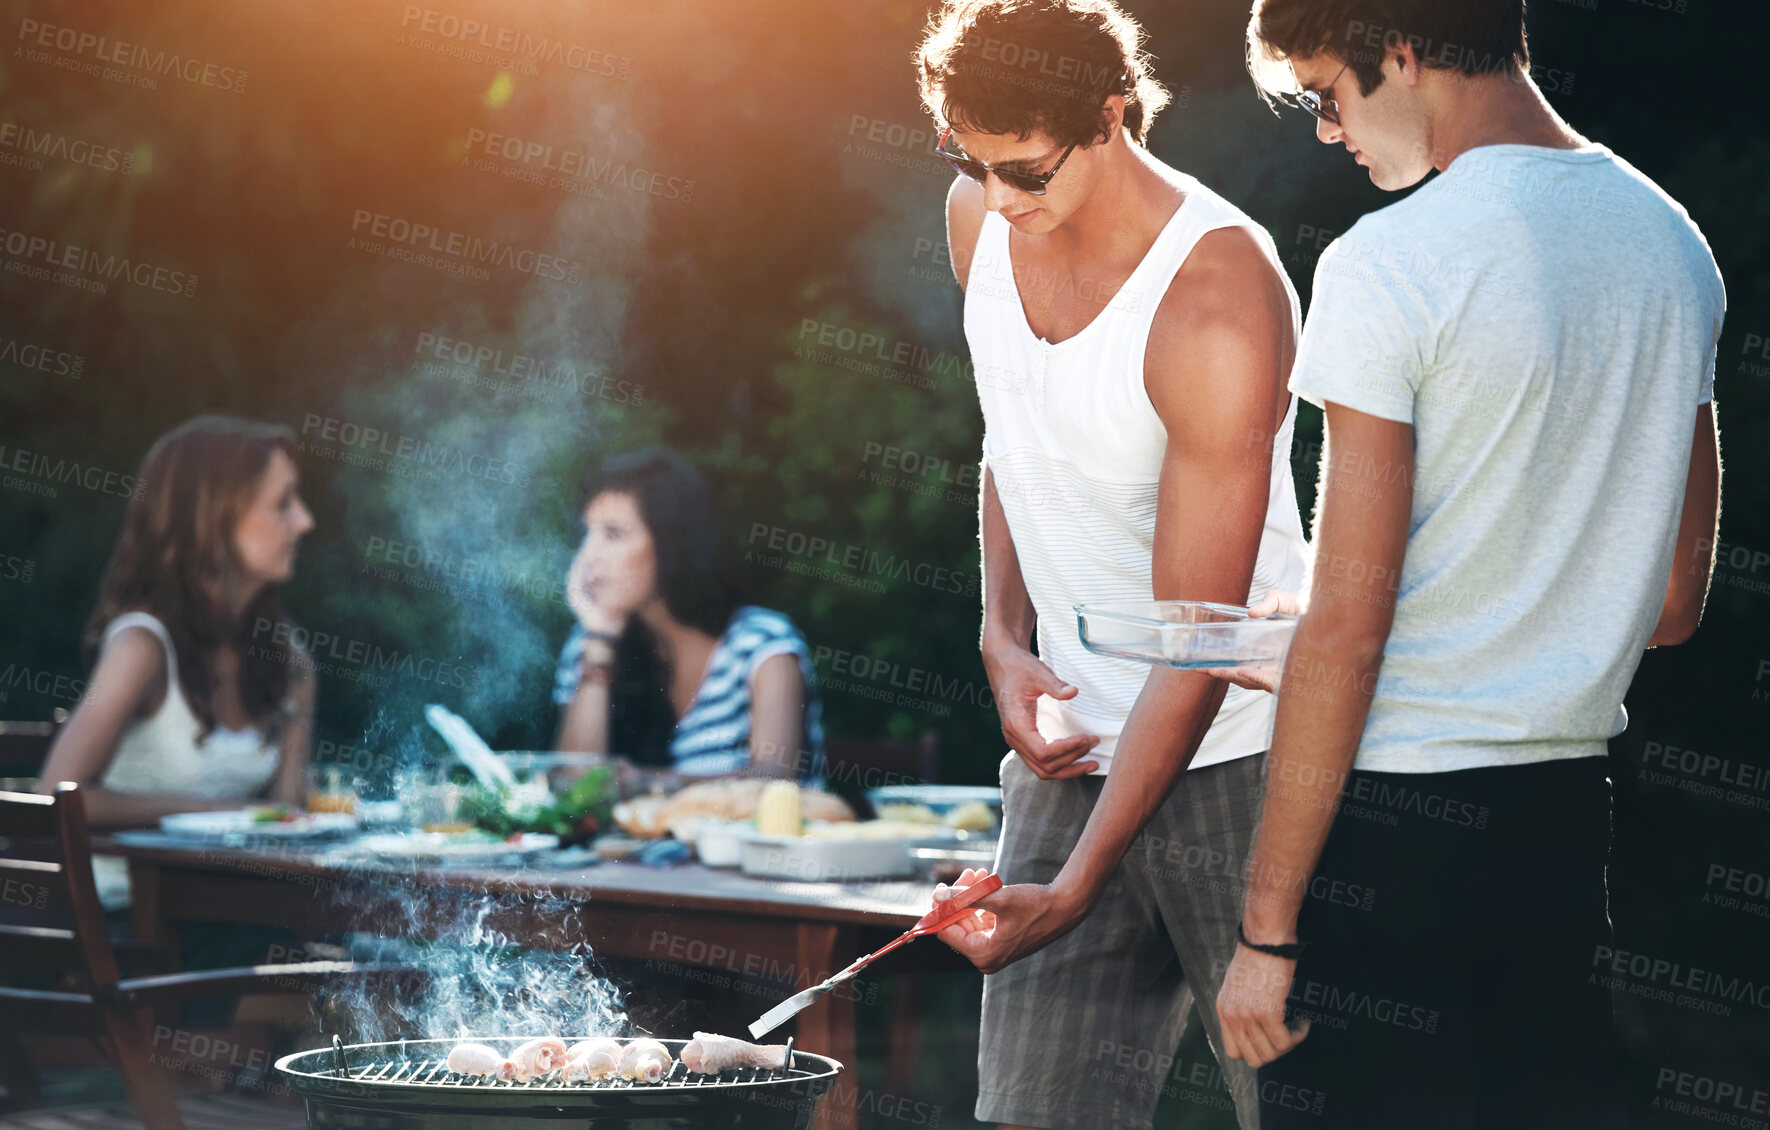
1082, 1034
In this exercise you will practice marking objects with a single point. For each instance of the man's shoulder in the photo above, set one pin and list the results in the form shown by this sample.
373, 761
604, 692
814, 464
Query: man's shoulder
1231, 273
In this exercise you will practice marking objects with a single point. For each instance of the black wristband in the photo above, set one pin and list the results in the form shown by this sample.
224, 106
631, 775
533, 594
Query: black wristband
605, 637
1291, 951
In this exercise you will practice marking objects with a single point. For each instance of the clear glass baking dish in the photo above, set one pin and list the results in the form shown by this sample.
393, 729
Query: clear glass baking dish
1186, 634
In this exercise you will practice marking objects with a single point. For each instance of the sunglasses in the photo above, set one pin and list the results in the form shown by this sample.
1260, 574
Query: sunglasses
1033, 184
1321, 102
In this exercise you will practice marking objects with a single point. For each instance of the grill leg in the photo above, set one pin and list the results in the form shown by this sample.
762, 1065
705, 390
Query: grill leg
827, 1027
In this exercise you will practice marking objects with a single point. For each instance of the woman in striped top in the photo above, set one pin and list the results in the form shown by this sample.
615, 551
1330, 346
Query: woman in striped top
664, 666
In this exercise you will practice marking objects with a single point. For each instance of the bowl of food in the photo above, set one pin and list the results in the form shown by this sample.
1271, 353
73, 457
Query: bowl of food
1188, 635
971, 809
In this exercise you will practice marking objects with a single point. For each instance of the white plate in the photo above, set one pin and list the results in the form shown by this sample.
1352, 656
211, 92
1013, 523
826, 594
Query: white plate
243, 824
444, 847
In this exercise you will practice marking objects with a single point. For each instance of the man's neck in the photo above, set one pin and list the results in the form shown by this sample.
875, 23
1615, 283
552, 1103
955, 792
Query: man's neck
1133, 200
1493, 110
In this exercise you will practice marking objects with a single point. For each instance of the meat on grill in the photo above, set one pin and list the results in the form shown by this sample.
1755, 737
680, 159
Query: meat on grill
646, 1061
541, 1056
476, 1059
710, 1054
593, 1059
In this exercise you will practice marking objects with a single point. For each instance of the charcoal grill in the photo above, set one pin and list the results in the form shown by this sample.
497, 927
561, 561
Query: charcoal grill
406, 1085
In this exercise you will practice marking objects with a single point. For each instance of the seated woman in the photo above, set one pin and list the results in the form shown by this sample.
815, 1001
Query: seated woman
183, 710
664, 666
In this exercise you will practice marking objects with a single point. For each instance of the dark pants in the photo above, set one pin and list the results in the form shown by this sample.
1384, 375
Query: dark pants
1464, 995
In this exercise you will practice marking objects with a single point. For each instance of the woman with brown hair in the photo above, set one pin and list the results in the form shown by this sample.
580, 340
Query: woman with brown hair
183, 712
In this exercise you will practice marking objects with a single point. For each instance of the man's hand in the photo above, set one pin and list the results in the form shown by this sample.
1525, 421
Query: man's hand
1002, 928
1261, 678
1251, 1007
1017, 678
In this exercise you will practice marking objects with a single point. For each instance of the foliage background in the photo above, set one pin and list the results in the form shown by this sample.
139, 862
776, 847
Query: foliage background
815, 213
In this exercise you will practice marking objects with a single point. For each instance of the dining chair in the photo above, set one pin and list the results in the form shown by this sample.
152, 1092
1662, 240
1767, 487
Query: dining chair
52, 924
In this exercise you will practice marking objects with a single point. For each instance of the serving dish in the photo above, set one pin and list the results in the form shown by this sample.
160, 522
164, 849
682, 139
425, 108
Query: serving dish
1184, 634
819, 857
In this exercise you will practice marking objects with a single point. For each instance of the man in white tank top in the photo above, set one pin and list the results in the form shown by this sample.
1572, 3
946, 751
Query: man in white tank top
1132, 333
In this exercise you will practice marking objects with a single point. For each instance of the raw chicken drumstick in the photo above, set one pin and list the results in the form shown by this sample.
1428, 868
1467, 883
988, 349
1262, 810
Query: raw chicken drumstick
476, 1059
593, 1059
710, 1054
647, 1061
538, 1057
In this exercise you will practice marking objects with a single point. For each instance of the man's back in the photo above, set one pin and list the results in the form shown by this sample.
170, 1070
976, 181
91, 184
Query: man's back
1546, 319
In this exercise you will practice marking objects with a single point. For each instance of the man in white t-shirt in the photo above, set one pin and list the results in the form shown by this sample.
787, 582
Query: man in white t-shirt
1520, 490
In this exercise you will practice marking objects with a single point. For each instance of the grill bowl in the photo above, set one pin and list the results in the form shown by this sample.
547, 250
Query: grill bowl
404, 1085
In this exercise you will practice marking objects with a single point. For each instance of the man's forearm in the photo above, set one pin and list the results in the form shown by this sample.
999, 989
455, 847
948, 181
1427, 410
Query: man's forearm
1323, 701
1160, 737
1008, 616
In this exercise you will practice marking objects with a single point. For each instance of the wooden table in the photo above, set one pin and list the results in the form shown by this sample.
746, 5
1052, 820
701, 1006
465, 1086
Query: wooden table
686, 916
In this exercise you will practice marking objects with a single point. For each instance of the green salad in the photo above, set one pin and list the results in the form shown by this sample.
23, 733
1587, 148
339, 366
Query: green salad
582, 811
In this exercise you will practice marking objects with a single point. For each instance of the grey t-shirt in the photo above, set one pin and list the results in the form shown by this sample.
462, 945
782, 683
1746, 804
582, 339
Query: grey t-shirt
1546, 320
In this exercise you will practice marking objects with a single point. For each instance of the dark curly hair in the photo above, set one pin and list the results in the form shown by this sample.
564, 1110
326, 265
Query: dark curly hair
1020, 66
1473, 37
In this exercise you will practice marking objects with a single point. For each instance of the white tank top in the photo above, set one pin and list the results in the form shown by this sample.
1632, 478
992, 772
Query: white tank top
161, 754
1076, 448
